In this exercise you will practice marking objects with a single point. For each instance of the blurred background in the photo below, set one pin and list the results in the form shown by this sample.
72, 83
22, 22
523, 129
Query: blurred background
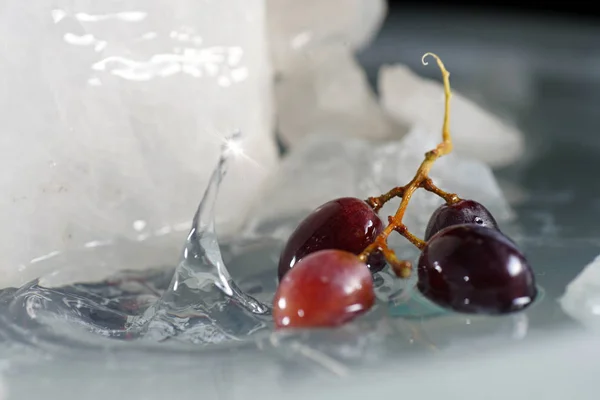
562, 9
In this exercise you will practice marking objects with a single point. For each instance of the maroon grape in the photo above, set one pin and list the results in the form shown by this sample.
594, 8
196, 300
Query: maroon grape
347, 224
462, 212
473, 269
325, 289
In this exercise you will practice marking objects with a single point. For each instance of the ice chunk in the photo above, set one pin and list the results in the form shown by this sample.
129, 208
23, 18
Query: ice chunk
326, 92
411, 99
320, 87
113, 112
295, 26
581, 300
323, 168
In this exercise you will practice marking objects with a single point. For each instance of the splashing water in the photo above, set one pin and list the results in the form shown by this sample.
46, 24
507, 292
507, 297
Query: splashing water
197, 302
202, 299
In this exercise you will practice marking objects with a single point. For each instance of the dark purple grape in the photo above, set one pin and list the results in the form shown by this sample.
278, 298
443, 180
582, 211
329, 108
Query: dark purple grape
325, 289
462, 212
473, 269
347, 224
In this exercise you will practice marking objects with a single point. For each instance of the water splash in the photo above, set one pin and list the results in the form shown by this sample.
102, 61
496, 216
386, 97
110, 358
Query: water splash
195, 301
152, 300
203, 302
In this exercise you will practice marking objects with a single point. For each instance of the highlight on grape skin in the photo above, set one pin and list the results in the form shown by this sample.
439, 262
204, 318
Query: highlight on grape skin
325, 289
460, 212
346, 223
474, 269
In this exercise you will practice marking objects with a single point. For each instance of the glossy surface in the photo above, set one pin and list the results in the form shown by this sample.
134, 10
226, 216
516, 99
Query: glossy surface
325, 289
474, 269
463, 212
346, 224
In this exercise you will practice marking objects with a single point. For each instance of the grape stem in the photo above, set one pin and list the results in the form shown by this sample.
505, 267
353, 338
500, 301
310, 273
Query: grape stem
403, 268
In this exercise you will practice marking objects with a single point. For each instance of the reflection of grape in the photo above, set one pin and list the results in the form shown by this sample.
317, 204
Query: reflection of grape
347, 224
462, 212
324, 289
474, 269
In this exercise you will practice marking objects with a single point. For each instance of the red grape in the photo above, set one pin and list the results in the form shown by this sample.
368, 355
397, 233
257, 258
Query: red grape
325, 289
470, 268
462, 212
347, 224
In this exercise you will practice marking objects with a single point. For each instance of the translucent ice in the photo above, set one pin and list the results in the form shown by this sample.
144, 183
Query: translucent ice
322, 168
295, 26
320, 88
581, 300
326, 92
411, 99
113, 112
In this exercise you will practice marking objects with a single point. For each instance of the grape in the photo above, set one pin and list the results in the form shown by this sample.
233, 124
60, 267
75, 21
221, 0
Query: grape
325, 289
347, 224
462, 212
473, 269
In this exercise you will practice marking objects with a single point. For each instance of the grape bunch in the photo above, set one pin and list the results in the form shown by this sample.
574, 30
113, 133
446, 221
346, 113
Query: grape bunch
466, 264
